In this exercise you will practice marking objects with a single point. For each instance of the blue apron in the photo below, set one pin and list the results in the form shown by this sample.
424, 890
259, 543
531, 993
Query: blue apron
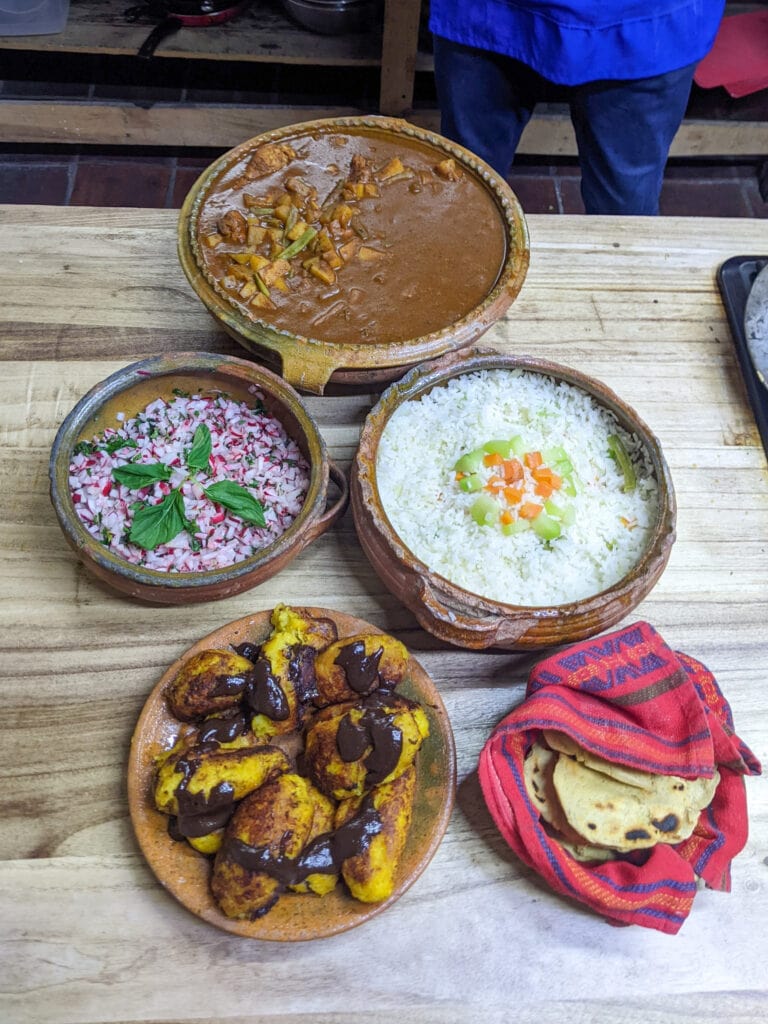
572, 42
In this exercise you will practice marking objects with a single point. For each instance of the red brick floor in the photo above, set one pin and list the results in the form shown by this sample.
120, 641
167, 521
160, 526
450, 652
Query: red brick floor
160, 181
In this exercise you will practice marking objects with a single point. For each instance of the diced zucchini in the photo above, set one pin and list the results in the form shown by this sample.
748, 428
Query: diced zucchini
470, 462
485, 511
518, 526
471, 483
565, 514
546, 527
502, 448
569, 487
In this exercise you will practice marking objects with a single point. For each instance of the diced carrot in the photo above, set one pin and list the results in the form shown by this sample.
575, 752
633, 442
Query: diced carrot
529, 510
506, 518
460, 476
543, 490
513, 470
513, 494
494, 483
493, 459
533, 460
544, 475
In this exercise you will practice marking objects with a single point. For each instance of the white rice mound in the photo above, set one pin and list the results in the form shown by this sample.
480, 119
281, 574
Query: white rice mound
416, 482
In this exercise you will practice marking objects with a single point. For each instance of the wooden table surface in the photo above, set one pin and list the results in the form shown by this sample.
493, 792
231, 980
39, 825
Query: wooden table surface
87, 934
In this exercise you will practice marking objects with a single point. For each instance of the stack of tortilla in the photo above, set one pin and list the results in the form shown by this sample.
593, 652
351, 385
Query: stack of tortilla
620, 778
598, 809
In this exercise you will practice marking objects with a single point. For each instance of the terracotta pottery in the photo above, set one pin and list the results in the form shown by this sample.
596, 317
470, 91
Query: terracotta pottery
308, 363
186, 873
459, 616
128, 392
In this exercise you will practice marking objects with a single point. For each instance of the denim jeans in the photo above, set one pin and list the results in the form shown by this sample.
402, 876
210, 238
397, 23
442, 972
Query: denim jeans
623, 128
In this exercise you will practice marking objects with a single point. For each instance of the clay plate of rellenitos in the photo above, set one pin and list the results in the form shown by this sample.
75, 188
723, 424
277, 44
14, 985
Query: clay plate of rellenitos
186, 873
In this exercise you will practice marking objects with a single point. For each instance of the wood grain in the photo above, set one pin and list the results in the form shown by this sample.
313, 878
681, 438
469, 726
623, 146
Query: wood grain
88, 935
222, 126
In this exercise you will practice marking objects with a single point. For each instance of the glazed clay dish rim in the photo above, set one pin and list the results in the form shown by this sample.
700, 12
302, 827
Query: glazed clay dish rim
345, 355
184, 873
207, 366
417, 382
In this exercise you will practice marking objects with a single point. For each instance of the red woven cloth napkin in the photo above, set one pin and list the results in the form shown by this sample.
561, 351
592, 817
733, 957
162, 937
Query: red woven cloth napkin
628, 698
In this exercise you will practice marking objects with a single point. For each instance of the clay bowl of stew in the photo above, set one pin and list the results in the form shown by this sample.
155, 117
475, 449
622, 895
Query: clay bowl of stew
348, 249
511, 502
192, 477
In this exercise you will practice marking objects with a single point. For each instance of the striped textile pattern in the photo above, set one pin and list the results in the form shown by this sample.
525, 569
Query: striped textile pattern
627, 697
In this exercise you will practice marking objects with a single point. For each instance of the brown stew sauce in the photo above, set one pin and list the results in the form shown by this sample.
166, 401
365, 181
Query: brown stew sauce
420, 255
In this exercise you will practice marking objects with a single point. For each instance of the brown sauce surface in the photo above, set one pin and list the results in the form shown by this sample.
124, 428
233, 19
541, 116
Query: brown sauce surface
441, 243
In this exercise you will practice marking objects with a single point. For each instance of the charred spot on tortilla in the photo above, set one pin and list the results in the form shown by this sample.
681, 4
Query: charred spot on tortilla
637, 833
668, 824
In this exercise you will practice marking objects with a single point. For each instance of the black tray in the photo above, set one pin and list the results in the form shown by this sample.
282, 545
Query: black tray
735, 278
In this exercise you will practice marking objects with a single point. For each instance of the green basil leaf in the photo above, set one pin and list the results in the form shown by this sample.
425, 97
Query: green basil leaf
199, 454
137, 475
192, 528
238, 500
157, 524
114, 444
85, 448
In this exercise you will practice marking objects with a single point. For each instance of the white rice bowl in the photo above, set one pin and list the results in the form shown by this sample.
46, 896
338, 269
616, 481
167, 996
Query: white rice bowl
416, 482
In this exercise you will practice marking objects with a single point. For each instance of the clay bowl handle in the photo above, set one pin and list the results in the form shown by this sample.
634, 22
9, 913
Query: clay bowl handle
454, 625
307, 369
335, 511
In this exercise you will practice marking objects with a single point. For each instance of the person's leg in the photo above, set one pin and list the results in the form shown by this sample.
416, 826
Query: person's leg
624, 131
486, 100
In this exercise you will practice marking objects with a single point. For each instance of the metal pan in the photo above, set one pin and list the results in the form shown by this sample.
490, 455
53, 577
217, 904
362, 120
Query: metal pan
756, 325
176, 14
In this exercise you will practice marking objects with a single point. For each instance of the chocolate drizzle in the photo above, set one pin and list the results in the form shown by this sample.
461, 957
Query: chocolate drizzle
199, 813
324, 855
351, 739
224, 728
247, 650
230, 686
376, 730
265, 695
361, 669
